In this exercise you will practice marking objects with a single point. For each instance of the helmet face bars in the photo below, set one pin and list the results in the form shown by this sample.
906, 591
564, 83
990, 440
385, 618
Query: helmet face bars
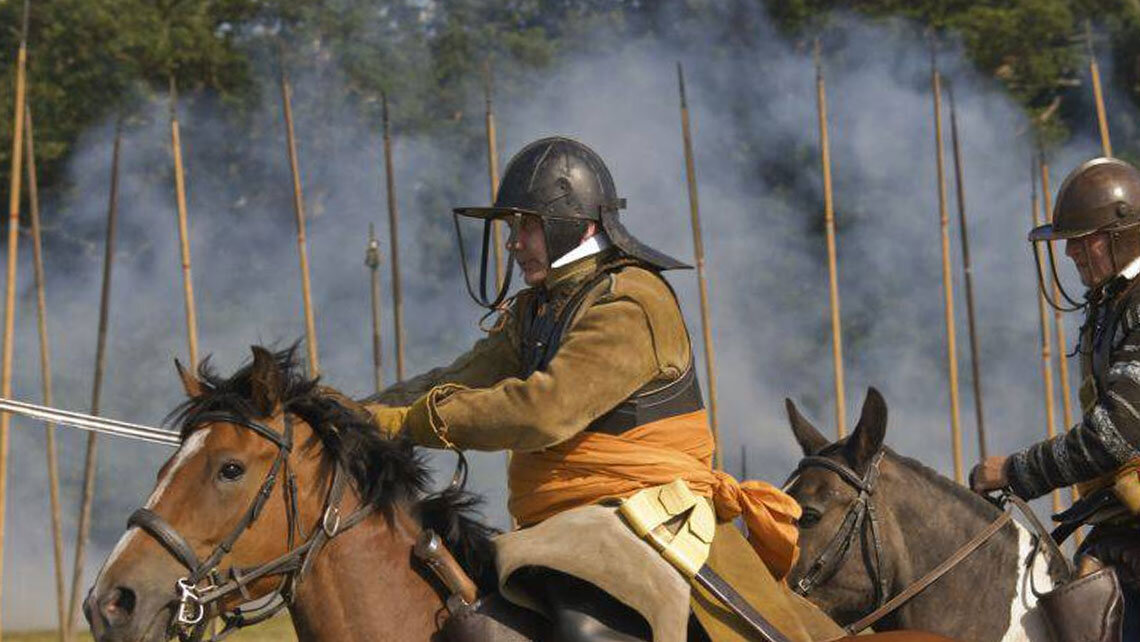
566, 185
1101, 195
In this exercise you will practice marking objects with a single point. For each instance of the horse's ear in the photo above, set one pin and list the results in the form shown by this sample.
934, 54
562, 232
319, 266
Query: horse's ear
190, 383
806, 434
264, 381
867, 440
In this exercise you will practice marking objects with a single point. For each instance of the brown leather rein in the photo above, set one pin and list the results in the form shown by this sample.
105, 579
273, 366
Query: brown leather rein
193, 600
861, 515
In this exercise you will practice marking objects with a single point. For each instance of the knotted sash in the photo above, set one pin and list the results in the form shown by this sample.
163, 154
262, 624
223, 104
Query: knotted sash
593, 466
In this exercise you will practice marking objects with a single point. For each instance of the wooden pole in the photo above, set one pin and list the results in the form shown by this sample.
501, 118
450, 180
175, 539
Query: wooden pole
699, 251
393, 242
493, 168
10, 291
372, 260
1058, 320
1098, 95
975, 365
183, 233
89, 462
299, 210
46, 380
947, 282
832, 263
1046, 343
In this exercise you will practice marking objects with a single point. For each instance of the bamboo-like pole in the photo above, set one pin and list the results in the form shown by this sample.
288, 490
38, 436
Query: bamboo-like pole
493, 168
299, 210
372, 260
1046, 342
1098, 94
832, 262
699, 251
183, 233
10, 291
89, 462
947, 282
46, 380
393, 242
975, 364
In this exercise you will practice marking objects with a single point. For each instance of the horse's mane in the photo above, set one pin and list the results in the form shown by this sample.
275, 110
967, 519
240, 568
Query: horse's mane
387, 473
946, 485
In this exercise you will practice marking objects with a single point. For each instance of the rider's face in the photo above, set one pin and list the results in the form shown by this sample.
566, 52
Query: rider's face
529, 243
1093, 257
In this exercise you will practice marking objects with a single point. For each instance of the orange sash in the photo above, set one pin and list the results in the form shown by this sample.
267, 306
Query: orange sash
591, 466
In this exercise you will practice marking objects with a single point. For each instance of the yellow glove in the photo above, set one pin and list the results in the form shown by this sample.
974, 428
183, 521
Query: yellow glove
389, 420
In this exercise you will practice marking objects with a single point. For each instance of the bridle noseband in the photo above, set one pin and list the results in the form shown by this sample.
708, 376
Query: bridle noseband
193, 600
860, 517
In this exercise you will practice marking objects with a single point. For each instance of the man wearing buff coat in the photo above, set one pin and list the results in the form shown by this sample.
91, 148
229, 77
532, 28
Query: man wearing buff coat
587, 378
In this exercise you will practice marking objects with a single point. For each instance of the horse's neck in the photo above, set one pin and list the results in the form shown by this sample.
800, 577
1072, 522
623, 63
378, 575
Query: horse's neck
362, 587
928, 523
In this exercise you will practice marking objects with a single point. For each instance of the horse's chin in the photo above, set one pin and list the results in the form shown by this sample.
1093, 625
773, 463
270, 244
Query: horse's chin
159, 629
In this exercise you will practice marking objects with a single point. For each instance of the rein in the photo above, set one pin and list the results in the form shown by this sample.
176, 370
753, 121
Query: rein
861, 516
193, 601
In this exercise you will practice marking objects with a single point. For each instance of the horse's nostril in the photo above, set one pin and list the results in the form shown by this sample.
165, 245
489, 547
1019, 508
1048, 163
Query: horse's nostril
118, 605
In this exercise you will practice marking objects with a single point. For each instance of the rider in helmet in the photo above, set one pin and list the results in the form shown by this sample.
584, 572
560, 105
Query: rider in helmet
587, 378
1097, 215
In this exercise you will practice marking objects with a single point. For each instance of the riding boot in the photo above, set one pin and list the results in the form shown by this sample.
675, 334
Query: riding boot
1131, 613
581, 612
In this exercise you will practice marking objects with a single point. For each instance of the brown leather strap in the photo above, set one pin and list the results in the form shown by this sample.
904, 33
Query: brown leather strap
921, 583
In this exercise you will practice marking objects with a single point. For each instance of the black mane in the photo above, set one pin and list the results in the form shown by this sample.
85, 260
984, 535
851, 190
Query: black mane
387, 473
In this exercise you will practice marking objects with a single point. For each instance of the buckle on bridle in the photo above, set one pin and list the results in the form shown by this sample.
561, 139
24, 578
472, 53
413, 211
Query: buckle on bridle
190, 607
330, 522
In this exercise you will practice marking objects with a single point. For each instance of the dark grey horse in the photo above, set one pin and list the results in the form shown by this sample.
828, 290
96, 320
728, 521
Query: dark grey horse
921, 519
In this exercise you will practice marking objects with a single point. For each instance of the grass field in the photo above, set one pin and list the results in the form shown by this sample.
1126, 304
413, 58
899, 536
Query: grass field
279, 628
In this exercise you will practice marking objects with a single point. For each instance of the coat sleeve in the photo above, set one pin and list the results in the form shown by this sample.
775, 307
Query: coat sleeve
1107, 436
611, 351
491, 359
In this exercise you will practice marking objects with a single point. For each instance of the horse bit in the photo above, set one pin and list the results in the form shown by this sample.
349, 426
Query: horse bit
193, 601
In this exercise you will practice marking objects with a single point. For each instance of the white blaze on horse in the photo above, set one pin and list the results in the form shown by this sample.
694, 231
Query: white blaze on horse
916, 520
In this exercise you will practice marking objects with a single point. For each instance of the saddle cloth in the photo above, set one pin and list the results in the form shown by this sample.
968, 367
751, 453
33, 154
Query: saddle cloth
594, 544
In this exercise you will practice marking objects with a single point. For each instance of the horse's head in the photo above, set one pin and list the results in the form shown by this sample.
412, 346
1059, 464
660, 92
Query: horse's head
254, 480
834, 484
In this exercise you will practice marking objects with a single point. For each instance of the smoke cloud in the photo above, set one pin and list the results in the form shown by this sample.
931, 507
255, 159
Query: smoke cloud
754, 117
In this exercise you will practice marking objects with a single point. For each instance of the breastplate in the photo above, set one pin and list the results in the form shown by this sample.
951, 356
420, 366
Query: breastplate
544, 324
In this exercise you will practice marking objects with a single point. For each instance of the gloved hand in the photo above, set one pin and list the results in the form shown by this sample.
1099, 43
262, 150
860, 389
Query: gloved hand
389, 420
990, 475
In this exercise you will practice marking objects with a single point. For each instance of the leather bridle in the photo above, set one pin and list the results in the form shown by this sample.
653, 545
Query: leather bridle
862, 517
193, 599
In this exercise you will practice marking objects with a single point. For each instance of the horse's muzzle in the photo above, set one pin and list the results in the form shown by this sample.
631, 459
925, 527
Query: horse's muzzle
116, 615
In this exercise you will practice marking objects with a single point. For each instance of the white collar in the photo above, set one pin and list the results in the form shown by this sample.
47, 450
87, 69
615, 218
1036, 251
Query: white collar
1132, 269
590, 246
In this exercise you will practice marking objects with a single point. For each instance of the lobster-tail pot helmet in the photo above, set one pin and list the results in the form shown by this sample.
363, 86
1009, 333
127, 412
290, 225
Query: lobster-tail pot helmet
1101, 195
566, 185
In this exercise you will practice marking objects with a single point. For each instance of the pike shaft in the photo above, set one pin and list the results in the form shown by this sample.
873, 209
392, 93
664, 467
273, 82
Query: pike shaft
1046, 343
394, 244
45, 365
975, 365
493, 173
302, 247
372, 260
699, 251
90, 457
832, 262
1098, 95
947, 282
1059, 322
10, 298
183, 233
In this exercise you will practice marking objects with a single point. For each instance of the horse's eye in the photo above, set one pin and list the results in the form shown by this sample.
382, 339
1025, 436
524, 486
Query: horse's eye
809, 518
231, 471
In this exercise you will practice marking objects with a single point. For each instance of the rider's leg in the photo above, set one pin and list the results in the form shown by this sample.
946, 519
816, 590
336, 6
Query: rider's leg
581, 612
1131, 613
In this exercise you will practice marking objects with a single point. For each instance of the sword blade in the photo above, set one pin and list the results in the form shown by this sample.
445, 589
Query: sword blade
91, 423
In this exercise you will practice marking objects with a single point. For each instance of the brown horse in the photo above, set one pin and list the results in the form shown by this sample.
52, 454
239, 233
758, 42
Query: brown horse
284, 488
